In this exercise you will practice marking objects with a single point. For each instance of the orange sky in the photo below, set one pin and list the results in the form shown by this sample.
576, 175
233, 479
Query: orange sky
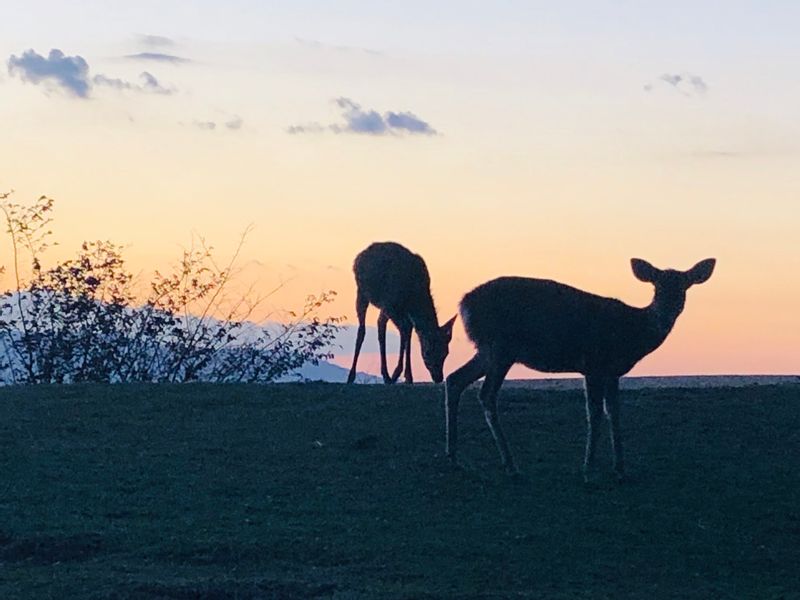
547, 162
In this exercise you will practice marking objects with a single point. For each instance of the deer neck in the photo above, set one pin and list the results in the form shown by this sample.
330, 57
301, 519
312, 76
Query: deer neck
662, 314
423, 316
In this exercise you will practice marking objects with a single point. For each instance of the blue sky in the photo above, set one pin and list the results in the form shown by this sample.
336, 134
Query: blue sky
701, 28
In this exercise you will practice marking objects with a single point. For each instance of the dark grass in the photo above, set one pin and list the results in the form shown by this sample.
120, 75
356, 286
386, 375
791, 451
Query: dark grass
320, 491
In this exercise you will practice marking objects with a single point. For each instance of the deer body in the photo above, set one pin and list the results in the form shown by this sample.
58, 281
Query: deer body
593, 334
552, 327
396, 280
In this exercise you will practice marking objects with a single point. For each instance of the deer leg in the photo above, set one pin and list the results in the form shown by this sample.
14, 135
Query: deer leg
361, 311
383, 319
455, 385
612, 412
409, 330
488, 397
399, 368
594, 415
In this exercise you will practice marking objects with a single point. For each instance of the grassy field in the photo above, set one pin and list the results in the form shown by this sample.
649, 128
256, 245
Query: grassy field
328, 491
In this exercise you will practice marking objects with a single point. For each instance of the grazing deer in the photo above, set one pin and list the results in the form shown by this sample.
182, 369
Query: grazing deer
556, 328
396, 280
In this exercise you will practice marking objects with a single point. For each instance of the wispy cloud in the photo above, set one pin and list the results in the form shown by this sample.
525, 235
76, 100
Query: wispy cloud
368, 122
205, 125
69, 73
158, 57
317, 45
149, 84
234, 123
155, 41
112, 82
307, 128
687, 84
681, 82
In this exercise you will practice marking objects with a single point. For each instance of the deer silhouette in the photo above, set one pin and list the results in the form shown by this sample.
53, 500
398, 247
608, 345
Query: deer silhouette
552, 327
396, 280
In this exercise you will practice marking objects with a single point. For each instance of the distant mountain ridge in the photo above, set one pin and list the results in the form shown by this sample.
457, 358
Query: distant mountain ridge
323, 371
327, 372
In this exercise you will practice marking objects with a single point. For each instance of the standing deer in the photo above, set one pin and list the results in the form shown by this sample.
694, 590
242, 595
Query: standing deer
396, 280
556, 328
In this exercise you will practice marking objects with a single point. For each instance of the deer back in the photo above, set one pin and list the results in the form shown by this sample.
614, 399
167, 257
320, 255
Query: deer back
392, 278
553, 327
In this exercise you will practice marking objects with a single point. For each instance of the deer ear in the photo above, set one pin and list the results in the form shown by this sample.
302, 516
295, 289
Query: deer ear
701, 272
447, 328
643, 270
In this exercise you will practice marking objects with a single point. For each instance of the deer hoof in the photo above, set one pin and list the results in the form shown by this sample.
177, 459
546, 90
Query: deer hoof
589, 476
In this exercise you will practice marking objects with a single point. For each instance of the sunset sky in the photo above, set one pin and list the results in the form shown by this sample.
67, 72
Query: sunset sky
544, 139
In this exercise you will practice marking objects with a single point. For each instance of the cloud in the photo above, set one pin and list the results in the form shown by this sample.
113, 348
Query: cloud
368, 122
687, 84
699, 85
408, 121
358, 120
158, 57
149, 85
235, 123
155, 41
307, 128
118, 84
673, 80
70, 73
317, 45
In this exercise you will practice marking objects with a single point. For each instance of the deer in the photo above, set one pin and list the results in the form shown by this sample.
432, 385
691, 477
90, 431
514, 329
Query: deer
396, 281
556, 328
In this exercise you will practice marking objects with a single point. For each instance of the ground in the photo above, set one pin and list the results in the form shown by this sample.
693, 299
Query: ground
333, 491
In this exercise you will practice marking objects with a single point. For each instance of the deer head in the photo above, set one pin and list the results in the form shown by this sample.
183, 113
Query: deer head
671, 284
435, 347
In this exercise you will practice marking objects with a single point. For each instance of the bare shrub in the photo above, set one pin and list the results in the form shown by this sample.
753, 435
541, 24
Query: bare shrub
79, 320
